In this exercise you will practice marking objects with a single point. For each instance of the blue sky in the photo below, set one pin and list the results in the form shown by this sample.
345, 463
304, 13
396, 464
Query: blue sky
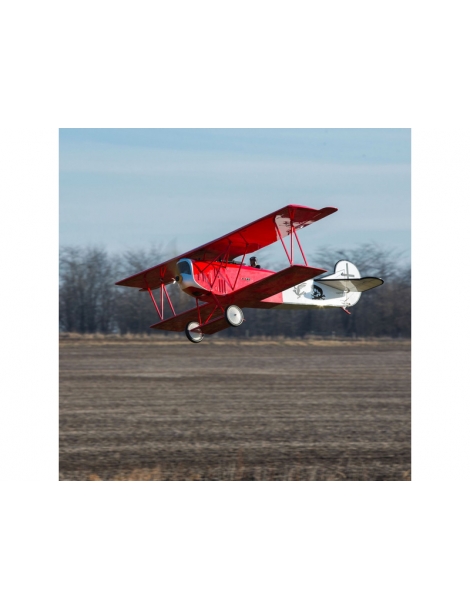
134, 188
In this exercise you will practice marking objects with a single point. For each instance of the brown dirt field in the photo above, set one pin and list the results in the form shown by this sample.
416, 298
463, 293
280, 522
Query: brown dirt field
164, 409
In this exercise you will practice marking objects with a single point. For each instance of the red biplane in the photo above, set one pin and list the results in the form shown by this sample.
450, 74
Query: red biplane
222, 285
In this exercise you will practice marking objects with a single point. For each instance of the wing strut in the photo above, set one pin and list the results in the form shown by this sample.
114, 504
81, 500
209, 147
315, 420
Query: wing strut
300, 247
154, 302
169, 300
163, 290
292, 233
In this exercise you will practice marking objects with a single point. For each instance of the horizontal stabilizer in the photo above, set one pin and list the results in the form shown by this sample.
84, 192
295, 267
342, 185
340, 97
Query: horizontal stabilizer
352, 285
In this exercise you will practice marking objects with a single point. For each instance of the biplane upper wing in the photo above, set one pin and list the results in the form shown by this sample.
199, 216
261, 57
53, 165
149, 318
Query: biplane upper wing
247, 239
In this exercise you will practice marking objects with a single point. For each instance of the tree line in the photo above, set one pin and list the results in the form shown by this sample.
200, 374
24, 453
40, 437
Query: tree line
89, 301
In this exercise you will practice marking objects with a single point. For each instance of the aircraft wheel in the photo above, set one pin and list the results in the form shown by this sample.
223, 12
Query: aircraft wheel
195, 336
234, 315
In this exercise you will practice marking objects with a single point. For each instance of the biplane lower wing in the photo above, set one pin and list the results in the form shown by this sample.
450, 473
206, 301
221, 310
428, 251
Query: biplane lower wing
215, 326
180, 321
251, 295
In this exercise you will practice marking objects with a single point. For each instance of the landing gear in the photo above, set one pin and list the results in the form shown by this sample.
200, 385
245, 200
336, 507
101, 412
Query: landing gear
195, 336
234, 315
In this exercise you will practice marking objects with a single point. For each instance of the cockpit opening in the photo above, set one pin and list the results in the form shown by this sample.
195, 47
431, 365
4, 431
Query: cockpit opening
184, 267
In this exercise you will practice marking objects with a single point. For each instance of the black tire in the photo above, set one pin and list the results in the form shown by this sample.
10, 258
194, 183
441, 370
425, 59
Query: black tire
194, 337
234, 315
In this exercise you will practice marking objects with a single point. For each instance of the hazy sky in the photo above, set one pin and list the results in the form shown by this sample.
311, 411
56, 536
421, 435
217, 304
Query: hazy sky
127, 188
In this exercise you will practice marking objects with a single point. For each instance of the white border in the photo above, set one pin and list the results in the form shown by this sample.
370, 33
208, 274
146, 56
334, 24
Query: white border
252, 65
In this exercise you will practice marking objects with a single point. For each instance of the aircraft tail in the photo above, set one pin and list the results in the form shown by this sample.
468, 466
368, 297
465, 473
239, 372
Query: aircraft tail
343, 288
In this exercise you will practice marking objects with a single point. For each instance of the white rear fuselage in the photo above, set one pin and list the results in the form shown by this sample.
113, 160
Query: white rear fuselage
312, 293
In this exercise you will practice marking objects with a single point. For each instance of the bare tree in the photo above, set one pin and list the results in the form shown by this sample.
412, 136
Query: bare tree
86, 293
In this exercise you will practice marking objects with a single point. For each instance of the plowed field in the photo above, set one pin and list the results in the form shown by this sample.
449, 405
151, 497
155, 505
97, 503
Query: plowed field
164, 409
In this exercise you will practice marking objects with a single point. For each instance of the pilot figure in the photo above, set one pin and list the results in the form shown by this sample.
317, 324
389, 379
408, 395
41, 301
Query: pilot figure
253, 262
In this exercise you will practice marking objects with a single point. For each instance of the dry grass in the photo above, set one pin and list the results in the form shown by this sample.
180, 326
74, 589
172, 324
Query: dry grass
235, 473
159, 408
97, 339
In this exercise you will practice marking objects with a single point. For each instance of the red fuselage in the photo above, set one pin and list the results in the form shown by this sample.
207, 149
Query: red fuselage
221, 278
